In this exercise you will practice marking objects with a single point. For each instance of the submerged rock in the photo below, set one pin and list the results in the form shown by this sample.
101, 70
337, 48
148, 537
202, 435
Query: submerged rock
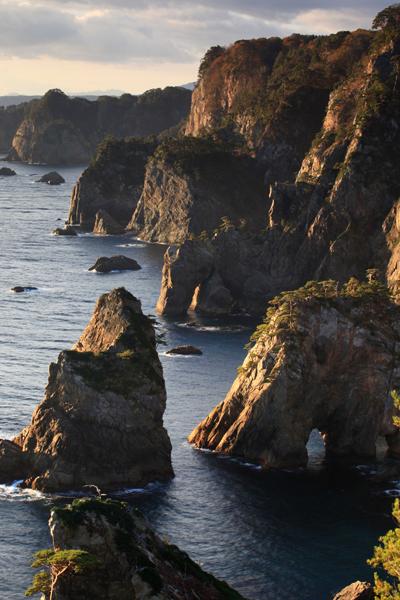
132, 561
185, 350
106, 264
67, 230
6, 172
100, 421
52, 178
19, 289
325, 358
359, 590
105, 225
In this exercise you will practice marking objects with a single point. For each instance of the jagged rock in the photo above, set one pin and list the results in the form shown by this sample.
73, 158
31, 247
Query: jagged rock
15, 464
6, 172
134, 562
106, 264
289, 383
10, 119
339, 218
359, 590
185, 350
100, 421
52, 178
19, 289
57, 129
111, 184
67, 230
105, 225
191, 185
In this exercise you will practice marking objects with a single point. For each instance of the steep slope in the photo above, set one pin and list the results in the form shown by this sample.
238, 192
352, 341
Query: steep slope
289, 384
272, 93
340, 216
10, 119
60, 130
190, 185
100, 421
112, 183
127, 560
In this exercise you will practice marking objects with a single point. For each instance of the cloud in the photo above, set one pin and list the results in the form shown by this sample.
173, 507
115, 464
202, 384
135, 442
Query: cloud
177, 31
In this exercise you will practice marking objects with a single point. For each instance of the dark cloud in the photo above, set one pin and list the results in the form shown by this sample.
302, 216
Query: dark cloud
172, 30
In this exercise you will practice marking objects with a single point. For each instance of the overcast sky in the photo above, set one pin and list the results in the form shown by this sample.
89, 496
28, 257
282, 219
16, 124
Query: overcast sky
134, 45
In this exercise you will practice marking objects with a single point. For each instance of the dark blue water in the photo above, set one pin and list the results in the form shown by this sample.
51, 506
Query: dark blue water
271, 535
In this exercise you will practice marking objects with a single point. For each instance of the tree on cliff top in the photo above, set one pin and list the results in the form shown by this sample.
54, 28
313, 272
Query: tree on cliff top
57, 564
388, 20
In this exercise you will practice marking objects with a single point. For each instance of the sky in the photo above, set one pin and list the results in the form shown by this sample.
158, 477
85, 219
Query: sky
135, 45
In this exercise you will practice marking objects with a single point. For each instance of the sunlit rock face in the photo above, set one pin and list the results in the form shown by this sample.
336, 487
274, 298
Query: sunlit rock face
324, 359
101, 420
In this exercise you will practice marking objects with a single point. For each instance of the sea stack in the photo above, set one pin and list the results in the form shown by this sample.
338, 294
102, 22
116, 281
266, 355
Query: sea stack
289, 385
101, 420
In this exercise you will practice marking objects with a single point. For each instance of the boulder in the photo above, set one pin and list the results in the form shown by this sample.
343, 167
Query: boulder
67, 230
6, 172
106, 264
101, 420
105, 225
325, 358
359, 590
52, 178
133, 561
19, 289
186, 351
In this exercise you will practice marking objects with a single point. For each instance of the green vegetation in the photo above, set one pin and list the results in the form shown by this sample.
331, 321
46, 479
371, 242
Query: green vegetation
117, 513
187, 152
386, 559
57, 564
210, 56
388, 21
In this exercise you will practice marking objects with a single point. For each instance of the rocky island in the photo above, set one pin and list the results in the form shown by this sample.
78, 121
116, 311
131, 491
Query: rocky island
57, 129
111, 553
326, 358
100, 421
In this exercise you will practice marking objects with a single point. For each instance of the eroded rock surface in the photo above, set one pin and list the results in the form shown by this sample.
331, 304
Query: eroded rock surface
324, 359
101, 420
359, 590
106, 194
191, 185
133, 562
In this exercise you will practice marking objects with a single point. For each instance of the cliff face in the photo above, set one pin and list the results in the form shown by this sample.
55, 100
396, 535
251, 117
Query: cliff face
340, 215
112, 184
129, 560
288, 384
190, 185
60, 130
272, 93
100, 421
10, 119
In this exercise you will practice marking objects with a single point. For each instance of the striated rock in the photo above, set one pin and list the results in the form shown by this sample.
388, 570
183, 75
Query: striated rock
133, 562
185, 350
339, 218
67, 230
289, 384
111, 186
106, 264
57, 129
100, 421
105, 225
359, 590
6, 172
19, 289
191, 185
52, 178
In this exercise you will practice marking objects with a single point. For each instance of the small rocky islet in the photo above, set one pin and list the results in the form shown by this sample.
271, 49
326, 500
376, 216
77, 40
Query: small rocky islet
289, 187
